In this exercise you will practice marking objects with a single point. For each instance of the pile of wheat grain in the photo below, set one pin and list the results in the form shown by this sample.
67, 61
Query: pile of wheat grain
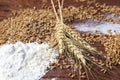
30, 25
110, 43
27, 26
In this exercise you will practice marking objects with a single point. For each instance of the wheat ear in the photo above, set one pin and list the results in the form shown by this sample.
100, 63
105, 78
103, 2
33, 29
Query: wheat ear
75, 35
75, 50
60, 37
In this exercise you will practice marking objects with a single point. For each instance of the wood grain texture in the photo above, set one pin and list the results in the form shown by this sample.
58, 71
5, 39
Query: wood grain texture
6, 6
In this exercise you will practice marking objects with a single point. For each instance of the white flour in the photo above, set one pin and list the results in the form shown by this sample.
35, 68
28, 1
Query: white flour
25, 61
103, 27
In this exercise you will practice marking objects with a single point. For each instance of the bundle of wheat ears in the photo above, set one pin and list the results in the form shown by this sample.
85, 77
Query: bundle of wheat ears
76, 50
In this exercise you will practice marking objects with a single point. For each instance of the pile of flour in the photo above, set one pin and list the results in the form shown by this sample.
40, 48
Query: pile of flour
28, 61
92, 26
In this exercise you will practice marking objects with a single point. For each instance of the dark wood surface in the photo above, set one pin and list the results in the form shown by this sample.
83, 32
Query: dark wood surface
6, 6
